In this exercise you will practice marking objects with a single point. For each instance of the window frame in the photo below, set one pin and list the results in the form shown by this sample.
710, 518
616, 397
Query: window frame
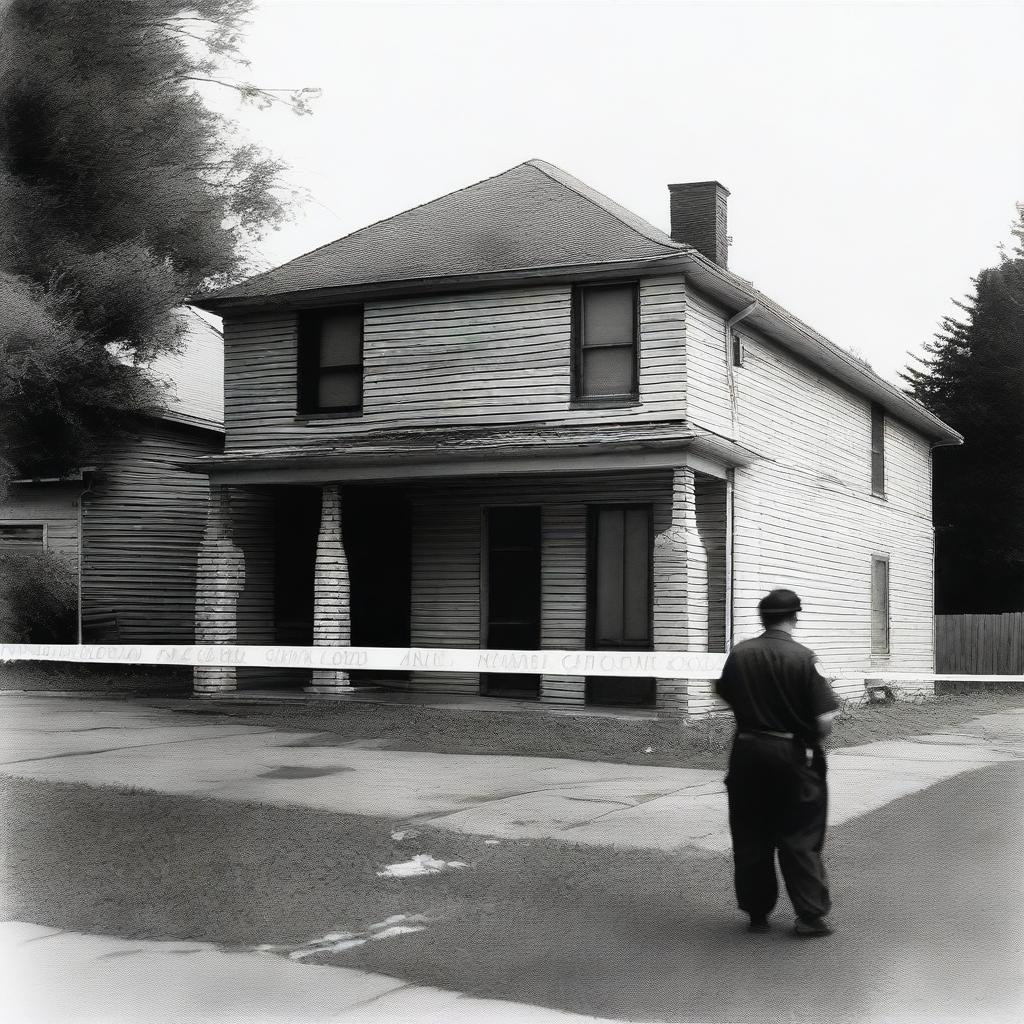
577, 397
881, 647
310, 372
739, 350
877, 450
44, 540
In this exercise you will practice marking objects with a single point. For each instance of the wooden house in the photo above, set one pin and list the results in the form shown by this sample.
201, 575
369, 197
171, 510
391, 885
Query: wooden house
132, 520
521, 417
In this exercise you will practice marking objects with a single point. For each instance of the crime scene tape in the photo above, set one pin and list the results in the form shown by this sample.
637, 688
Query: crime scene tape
636, 664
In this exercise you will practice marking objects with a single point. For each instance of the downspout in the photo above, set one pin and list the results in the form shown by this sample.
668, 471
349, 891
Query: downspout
730, 479
87, 479
731, 476
730, 373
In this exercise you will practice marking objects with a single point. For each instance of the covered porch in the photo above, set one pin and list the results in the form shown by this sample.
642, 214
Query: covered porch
549, 542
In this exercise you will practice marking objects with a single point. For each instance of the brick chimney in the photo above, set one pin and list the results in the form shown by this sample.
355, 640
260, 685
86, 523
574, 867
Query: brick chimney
698, 212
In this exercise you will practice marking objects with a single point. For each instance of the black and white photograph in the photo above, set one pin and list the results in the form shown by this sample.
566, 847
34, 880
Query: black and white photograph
445, 578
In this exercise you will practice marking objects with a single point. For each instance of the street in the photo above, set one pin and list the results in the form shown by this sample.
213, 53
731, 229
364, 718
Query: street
197, 877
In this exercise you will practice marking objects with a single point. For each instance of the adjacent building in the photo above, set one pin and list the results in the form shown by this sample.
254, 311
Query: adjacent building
131, 521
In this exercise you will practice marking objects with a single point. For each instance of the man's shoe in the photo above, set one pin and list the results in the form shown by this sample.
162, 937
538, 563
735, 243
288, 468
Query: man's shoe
759, 925
807, 927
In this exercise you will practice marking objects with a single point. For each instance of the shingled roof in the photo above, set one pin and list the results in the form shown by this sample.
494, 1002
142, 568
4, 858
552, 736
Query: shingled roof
530, 217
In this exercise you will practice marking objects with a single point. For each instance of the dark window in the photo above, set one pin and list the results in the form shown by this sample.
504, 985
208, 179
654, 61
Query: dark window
22, 537
738, 350
619, 597
621, 578
879, 605
877, 450
331, 361
605, 342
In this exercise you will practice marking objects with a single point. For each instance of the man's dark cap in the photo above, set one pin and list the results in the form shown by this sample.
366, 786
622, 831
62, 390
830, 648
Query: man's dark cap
779, 601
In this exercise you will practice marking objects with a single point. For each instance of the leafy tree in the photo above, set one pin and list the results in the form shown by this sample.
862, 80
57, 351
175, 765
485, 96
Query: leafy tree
121, 193
972, 376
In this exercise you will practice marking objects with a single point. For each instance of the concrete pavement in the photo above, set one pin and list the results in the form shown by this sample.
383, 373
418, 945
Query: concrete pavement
892, 961
69, 977
94, 742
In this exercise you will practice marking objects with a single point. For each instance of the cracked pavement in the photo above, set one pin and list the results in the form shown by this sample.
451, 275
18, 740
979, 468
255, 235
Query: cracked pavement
49, 738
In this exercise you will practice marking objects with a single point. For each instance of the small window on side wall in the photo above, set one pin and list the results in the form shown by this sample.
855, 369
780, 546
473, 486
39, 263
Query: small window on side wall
879, 604
331, 361
20, 537
877, 450
605, 343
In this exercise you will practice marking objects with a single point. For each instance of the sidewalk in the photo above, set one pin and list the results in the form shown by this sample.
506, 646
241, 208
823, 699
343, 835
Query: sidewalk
68, 977
67, 739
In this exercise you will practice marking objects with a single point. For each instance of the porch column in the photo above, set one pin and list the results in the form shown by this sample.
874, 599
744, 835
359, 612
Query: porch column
680, 585
220, 576
332, 624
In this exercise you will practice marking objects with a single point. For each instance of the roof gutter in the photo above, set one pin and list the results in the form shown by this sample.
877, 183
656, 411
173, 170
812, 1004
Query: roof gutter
797, 336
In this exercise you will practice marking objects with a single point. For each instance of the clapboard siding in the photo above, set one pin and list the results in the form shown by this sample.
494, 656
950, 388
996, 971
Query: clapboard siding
142, 522
711, 527
448, 524
53, 505
708, 399
805, 518
784, 537
488, 358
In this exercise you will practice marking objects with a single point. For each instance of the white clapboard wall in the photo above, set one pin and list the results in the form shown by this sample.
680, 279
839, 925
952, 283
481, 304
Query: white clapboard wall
804, 514
486, 358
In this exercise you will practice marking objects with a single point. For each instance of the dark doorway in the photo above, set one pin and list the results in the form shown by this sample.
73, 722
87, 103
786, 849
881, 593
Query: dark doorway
513, 594
296, 521
619, 605
376, 530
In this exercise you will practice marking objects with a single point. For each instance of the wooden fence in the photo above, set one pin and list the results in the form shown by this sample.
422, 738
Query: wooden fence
980, 643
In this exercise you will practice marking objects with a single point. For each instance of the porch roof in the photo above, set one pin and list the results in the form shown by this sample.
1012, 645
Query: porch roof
411, 454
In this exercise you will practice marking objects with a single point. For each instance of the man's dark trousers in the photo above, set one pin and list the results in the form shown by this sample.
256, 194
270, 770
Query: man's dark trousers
777, 801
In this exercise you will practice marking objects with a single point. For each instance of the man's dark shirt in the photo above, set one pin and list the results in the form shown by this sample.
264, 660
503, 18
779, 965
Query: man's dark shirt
772, 684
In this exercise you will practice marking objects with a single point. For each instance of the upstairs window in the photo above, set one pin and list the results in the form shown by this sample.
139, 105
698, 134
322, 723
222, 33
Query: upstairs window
331, 361
877, 450
605, 343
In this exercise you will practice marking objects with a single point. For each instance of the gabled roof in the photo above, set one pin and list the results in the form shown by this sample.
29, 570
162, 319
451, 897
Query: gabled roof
532, 216
194, 374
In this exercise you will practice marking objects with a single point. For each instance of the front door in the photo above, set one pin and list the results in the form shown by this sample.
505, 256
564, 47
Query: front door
619, 601
513, 594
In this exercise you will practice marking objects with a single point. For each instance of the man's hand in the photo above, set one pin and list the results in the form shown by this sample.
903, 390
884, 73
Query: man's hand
825, 723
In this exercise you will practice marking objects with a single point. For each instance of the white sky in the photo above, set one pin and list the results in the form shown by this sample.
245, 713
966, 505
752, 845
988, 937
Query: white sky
874, 152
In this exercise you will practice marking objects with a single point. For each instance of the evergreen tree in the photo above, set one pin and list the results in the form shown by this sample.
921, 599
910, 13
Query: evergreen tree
972, 376
121, 193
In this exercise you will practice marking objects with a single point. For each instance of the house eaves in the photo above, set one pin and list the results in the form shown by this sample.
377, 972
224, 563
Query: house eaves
791, 332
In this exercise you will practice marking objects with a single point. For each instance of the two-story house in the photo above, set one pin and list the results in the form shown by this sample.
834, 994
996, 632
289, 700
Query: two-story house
521, 417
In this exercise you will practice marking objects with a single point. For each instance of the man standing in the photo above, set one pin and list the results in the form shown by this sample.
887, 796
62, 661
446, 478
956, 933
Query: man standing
778, 797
